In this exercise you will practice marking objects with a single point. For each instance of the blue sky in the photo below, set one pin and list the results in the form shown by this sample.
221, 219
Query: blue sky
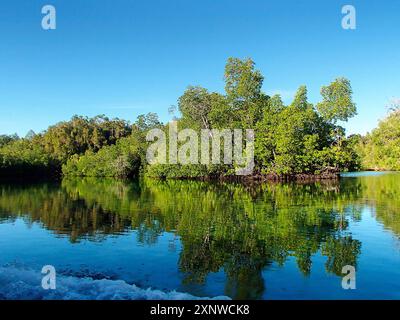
126, 57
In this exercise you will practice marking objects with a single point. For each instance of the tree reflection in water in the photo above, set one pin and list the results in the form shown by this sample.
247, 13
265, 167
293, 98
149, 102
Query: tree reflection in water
237, 228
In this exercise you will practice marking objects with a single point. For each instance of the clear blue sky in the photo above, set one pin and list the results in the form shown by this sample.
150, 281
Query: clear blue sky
127, 57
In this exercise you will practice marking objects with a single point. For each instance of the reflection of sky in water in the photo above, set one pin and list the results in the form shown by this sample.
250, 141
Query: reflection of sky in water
378, 269
121, 257
147, 255
364, 174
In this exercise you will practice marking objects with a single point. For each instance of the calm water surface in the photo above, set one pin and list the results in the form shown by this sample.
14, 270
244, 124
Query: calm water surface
109, 239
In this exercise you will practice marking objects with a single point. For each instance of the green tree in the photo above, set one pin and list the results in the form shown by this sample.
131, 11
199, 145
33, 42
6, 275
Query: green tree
6, 139
122, 160
242, 81
80, 134
337, 103
147, 121
243, 85
195, 106
380, 149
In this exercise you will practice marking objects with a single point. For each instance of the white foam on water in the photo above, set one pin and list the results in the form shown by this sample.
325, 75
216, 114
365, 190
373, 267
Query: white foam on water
17, 283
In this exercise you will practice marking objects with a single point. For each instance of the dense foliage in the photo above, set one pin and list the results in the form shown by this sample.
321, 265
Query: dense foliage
289, 140
299, 138
26, 157
121, 160
80, 134
96, 146
380, 150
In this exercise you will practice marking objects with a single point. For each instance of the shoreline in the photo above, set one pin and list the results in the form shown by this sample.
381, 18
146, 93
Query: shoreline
328, 175
300, 177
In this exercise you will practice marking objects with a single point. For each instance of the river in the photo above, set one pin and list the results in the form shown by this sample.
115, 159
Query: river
110, 239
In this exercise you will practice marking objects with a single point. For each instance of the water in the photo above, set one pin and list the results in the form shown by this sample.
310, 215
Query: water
109, 239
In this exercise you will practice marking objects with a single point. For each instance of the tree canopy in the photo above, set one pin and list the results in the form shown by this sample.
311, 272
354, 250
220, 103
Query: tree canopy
298, 138
380, 149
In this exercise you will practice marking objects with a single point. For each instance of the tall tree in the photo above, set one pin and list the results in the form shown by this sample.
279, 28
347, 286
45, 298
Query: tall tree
195, 106
300, 98
337, 103
242, 81
243, 85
